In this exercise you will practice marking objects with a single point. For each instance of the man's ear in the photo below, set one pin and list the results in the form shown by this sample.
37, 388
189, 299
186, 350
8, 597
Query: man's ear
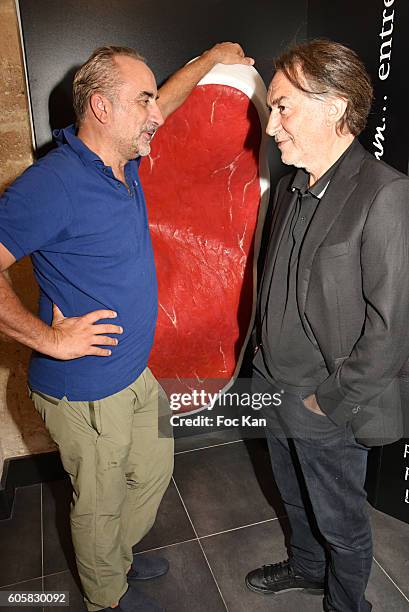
100, 107
336, 108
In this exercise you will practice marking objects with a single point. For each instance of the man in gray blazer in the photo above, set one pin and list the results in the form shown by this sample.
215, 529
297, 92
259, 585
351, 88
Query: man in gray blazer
332, 320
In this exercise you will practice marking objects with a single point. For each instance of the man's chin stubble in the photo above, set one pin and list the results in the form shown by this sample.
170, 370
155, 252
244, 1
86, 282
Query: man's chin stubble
144, 150
140, 151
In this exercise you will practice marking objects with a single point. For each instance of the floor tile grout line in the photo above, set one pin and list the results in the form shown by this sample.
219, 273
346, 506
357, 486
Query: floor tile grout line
193, 450
13, 584
200, 544
211, 535
140, 552
57, 573
5, 586
391, 579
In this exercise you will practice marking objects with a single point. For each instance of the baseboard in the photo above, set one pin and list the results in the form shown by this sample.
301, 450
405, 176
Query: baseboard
24, 471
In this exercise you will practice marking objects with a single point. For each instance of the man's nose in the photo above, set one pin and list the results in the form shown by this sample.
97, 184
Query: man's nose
274, 123
155, 115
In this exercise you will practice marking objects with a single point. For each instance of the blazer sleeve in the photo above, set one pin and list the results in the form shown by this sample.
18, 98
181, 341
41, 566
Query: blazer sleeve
383, 347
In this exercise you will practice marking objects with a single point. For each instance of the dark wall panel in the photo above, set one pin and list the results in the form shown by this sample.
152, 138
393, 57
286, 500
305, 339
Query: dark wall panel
60, 36
365, 26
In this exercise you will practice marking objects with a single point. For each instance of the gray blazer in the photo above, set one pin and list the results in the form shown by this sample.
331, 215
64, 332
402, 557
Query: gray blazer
353, 291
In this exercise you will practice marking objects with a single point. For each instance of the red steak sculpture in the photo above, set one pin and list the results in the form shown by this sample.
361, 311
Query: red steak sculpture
203, 188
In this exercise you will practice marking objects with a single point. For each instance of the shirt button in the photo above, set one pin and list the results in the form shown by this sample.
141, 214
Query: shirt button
302, 218
356, 409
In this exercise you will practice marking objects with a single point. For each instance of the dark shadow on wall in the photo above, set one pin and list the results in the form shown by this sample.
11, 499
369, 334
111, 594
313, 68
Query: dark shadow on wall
60, 111
252, 143
276, 171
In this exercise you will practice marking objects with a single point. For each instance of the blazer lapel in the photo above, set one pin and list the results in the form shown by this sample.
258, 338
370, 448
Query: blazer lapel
336, 196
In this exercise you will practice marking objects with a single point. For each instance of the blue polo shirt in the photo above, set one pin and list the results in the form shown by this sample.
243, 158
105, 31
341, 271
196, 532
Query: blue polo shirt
89, 242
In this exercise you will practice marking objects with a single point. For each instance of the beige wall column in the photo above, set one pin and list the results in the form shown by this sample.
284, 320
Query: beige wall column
22, 431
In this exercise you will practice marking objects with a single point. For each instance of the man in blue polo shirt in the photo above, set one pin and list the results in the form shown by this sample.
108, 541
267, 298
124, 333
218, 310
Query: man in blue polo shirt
80, 213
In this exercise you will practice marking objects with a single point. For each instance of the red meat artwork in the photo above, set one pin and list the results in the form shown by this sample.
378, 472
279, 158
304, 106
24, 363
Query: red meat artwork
202, 186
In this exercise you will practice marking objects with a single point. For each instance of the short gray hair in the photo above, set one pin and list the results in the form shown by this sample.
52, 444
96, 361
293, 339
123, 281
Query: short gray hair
99, 73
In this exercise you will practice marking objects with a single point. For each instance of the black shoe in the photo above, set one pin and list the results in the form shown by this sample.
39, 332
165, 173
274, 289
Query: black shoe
136, 601
280, 578
145, 568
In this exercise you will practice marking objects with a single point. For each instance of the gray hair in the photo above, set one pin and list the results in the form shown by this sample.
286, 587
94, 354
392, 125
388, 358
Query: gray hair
99, 73
323, 68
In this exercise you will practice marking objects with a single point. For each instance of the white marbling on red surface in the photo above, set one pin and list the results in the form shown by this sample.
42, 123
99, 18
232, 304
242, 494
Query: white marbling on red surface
206, 184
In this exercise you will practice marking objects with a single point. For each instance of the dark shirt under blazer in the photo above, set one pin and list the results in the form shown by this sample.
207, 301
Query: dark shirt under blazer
287, 358
353, 290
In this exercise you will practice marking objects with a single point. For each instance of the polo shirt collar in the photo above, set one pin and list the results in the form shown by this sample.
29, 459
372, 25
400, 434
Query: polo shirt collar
67, 136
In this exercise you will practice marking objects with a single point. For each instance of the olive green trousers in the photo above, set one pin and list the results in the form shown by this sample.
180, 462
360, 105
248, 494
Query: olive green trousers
119, 467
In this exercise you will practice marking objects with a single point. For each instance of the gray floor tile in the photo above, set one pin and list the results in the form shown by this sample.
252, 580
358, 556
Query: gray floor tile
232, 555
227, 486
391, 547
28, 585
383, 595
20, 538
223, 487
65, 581
189, 585
172, 524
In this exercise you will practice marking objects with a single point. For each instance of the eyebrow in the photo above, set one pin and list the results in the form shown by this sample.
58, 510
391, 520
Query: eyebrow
277, 101
148, 94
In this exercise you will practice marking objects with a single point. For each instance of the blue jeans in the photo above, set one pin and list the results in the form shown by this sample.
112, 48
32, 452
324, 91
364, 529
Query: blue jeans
320, 471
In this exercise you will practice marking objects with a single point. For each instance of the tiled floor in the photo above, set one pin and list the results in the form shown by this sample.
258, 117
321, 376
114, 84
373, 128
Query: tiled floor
220, 517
